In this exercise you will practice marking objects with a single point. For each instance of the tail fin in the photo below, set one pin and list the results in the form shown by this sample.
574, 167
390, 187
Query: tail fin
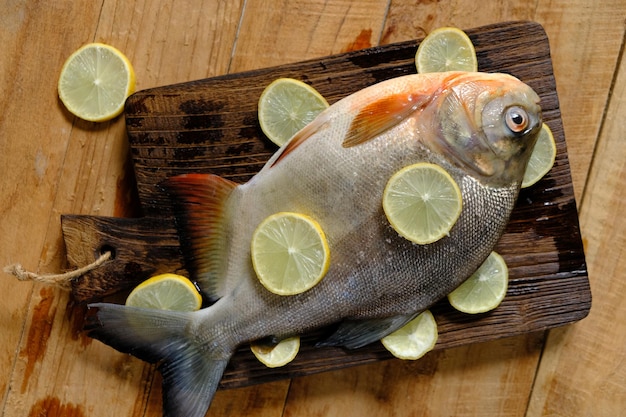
190, 375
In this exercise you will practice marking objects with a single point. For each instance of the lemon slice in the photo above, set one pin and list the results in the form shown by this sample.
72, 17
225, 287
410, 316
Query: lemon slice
166, 292
542, 159
95, 82
286, 106
485, 289
289, 253
446, 49
422, 202
414, 339
278, 355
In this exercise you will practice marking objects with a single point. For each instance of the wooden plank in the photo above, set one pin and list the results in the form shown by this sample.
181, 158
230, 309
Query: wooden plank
173, 130
582, 371
487, 379
92, 174
409, 19
159, 38
586, 38
294, 30
579, 374
33, 141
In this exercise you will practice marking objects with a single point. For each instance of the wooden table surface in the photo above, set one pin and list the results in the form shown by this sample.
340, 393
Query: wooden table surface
56, 164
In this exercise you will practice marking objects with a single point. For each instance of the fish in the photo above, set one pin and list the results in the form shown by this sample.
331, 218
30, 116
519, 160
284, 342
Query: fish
479, 127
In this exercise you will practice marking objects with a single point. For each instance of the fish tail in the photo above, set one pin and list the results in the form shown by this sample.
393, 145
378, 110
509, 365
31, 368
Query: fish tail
190, 374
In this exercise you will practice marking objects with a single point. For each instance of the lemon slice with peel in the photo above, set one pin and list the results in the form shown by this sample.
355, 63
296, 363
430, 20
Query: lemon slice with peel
274, 356
290, 253
542, 158
166, 292
446, 49
95, 82
286, 106
414, 339
422, 202
485, 289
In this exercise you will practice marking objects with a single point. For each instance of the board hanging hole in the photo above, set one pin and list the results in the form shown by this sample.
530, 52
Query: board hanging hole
106, 248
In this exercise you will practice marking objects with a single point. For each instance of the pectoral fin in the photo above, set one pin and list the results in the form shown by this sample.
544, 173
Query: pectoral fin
354, 334
381, 115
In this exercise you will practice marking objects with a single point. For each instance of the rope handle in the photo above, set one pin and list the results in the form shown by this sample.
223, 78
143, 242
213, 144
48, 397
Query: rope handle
60, 280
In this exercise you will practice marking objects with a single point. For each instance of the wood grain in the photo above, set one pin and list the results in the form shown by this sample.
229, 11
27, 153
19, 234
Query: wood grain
431, 386
297, 30
32, 157
60, 165
584, 372
588, 60
210, 126
64, 165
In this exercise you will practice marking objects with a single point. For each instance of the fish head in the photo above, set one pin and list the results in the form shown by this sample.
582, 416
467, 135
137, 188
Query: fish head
487, 124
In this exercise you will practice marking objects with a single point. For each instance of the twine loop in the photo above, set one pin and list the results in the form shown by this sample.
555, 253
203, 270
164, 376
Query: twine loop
59, 280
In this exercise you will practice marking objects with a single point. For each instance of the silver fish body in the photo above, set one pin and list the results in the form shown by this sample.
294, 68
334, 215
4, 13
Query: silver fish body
479, 127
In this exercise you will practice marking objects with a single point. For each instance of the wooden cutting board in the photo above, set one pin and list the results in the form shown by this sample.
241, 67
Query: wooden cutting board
211, 126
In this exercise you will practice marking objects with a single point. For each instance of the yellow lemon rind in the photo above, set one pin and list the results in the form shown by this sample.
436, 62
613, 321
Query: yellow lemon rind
403, 344
267, 354
134, 299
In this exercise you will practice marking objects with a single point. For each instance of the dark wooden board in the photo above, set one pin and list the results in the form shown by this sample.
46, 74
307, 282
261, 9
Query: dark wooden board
211, 126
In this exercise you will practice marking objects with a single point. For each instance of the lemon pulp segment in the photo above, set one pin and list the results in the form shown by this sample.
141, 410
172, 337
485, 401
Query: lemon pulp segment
446, 49
485, 289
95, 82
414, 339
290, 253
422, 202
166, 292
542, 158
278, 355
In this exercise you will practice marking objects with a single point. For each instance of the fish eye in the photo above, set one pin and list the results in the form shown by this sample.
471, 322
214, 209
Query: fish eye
516, 119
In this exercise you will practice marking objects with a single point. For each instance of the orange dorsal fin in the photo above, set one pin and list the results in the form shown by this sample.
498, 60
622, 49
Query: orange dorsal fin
381, 115
372, 118
199, 203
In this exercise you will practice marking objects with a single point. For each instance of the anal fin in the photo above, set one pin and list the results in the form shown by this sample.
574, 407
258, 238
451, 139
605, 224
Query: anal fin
354, 334
199, 201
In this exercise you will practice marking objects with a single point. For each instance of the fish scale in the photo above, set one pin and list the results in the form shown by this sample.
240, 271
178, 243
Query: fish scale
480, 128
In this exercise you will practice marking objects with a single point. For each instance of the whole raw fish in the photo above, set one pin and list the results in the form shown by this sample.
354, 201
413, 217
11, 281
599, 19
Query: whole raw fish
480, 128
